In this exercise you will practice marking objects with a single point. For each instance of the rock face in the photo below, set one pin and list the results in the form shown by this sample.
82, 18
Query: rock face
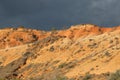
62, 54
11, 37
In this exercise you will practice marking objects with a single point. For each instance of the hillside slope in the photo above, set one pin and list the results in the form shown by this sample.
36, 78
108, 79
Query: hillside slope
52, 55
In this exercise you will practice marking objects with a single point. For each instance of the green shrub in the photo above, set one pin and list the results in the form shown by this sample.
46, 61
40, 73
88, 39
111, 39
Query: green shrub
62, 78
2, 79
10, 79
87, 77
62, 65
115, 76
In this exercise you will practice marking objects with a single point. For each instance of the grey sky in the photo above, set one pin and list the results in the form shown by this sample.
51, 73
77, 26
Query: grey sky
44, 14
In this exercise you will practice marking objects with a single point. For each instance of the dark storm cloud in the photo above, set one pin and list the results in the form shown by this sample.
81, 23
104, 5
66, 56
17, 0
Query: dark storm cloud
107, 11
48, 13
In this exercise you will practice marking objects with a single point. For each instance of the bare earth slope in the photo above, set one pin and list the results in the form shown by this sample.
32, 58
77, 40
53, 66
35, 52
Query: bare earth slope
55, 55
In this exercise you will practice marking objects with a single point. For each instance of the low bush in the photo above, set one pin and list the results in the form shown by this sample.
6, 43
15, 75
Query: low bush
115, 76
87, 77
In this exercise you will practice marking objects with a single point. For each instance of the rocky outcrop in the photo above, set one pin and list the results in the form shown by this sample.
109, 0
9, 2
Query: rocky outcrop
80, 52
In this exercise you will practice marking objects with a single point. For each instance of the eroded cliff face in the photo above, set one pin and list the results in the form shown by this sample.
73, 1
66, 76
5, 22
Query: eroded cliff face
11, 37
50, 55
